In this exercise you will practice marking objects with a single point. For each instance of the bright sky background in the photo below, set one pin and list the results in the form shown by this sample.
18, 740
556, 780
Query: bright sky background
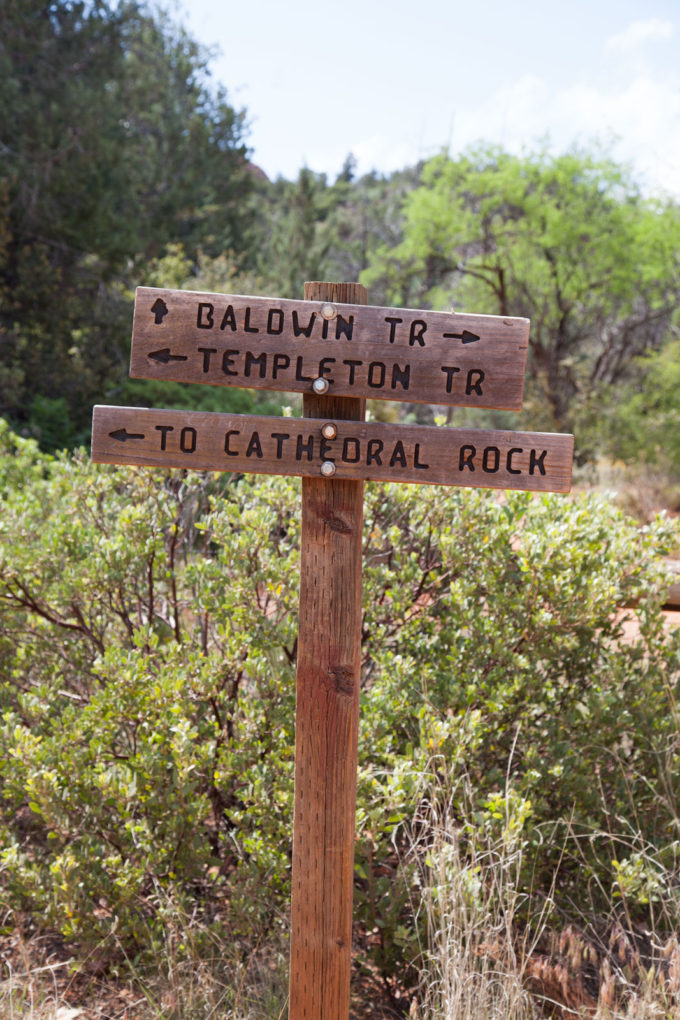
394, 81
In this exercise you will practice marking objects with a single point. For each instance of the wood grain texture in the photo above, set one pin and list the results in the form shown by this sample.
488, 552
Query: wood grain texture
472, 458
364, 351
326, 725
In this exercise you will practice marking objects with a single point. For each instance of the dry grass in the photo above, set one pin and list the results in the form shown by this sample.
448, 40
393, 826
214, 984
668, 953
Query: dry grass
482, 962
474, 968
194, 978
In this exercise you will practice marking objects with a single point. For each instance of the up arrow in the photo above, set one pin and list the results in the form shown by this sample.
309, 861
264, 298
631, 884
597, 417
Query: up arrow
122, 435
164, 356
160, 310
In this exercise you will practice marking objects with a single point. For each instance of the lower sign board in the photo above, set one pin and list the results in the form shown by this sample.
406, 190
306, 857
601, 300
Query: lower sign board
479, 458
355, 350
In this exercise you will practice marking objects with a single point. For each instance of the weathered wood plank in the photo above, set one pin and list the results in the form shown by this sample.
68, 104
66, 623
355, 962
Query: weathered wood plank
363, 351
326, 722
478, 458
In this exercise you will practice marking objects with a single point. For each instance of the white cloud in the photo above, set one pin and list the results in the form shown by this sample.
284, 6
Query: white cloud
639, 32
642, 117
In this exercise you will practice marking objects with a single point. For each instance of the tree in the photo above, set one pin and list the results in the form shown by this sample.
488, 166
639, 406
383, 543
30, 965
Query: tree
112, 145
644, 418
313, 229
565, 240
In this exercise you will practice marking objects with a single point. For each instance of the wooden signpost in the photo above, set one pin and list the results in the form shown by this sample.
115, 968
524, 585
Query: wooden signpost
337, 351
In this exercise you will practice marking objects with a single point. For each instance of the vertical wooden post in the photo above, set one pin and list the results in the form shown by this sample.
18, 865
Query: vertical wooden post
326, 721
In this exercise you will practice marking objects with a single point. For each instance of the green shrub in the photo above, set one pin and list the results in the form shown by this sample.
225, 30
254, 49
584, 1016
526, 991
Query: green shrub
147, 649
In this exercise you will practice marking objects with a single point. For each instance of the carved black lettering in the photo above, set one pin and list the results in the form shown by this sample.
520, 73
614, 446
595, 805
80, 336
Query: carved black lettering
247, 328
474, 385
354, 458
204, 315
417, 463
254, 446
255, 359
304, 447
164, 429
298, 371
393, 326
305, 331
187, 439
324, 330
418, 327
352, 365
537, 462
467, 457
206, 352
401, 376
344, 327
227, 447
373, 451
491, 459
324, 368
271, 328
508, 461
398, 455
281, 361
450, 372
229, 319
228, 361
280, 438
376, 375
326, 449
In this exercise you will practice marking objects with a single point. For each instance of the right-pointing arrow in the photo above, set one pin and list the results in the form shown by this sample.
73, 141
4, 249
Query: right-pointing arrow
466, 336
122, 435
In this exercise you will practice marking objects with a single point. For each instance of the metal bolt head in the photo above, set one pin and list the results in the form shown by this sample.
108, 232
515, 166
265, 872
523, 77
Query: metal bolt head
329, 430
328, 311
328, 469
320, 385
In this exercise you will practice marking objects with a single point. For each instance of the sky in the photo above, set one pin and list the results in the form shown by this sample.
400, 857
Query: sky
396, 81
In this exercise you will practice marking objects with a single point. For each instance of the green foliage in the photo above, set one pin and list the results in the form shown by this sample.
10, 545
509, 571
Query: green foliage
145, 715
315, 230
643, 420
147, 652
566, 241
112, 146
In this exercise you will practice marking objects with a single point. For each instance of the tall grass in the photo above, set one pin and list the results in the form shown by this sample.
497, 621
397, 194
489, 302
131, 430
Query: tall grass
196, 975
494, 953
473, 964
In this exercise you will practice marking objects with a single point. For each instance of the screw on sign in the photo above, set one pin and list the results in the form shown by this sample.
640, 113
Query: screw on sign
336, 350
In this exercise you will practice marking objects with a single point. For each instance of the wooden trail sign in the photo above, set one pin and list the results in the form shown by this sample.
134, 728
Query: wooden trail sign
361, 351
337, 351
479, 458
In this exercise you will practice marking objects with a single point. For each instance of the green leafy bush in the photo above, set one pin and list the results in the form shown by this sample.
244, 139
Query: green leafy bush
147, 654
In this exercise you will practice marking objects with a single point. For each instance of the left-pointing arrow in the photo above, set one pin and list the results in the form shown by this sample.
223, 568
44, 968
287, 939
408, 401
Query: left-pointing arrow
122, 435
164, 356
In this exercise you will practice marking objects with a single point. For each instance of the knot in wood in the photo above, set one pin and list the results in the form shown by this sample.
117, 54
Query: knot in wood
341, 680
336, 523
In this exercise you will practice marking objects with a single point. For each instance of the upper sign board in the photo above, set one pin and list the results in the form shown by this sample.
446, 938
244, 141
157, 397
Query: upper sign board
479, 458
359, 350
